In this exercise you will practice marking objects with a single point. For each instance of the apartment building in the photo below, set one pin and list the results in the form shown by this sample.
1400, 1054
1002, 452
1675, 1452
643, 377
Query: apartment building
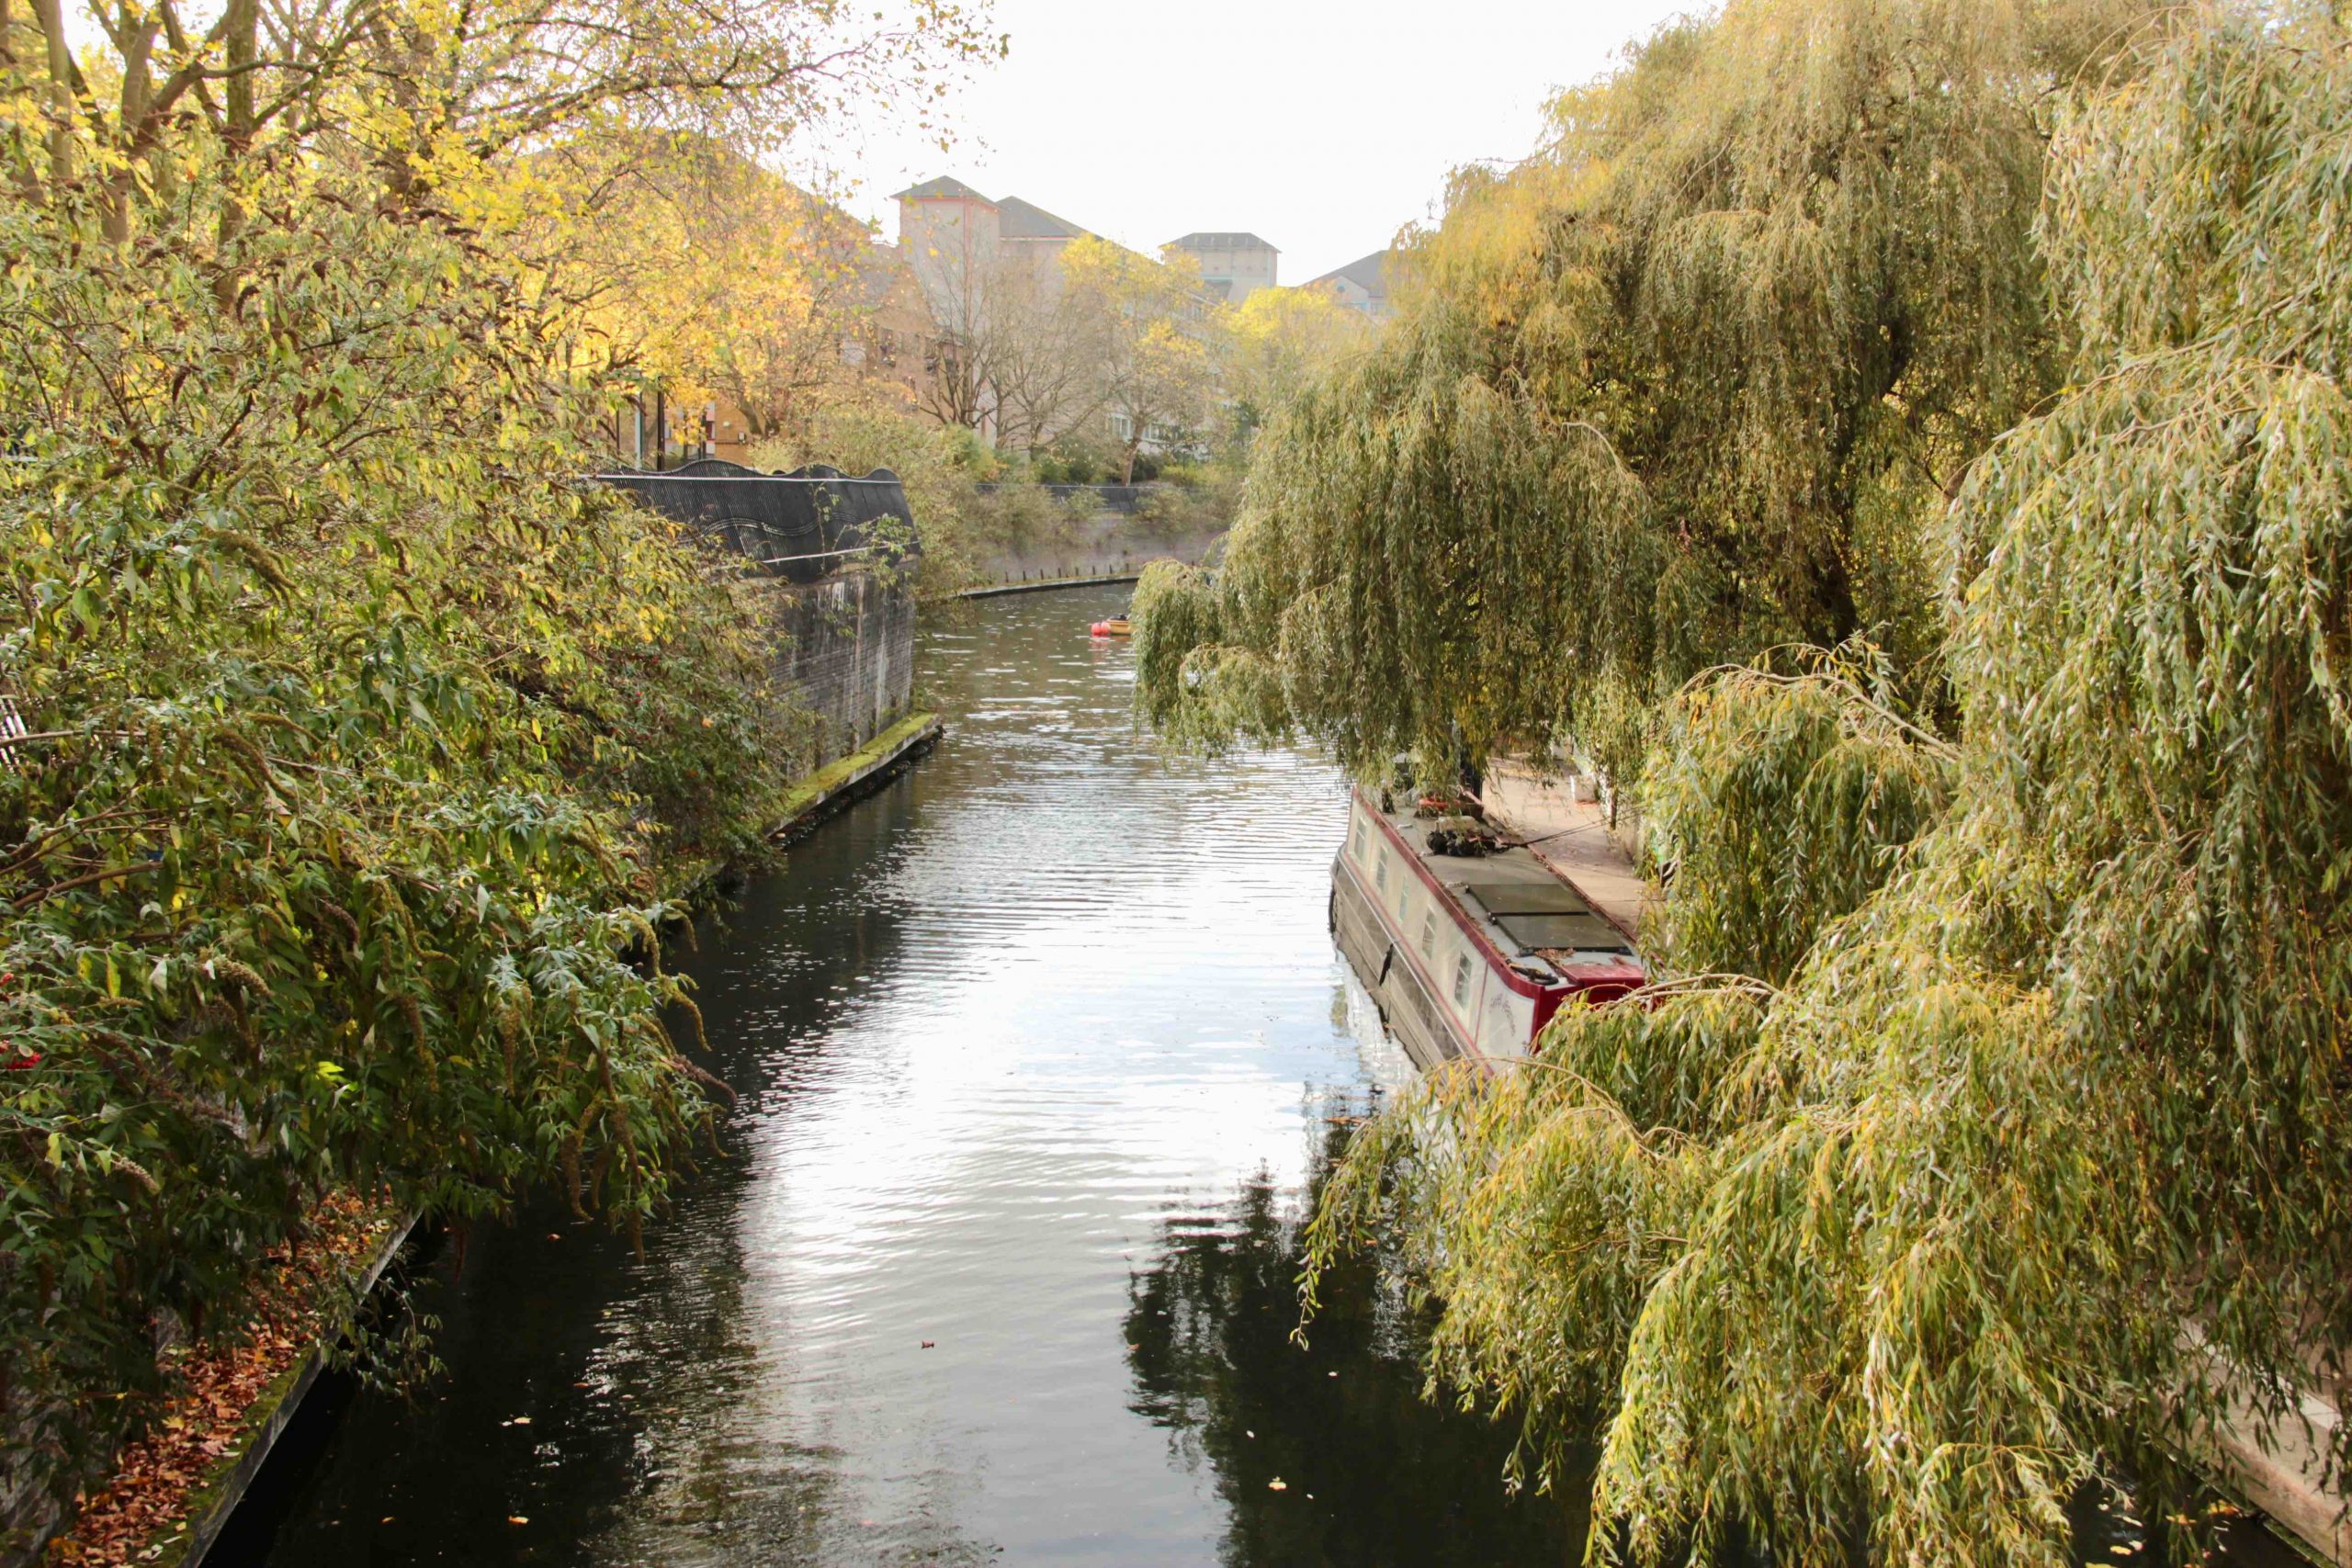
1233, 265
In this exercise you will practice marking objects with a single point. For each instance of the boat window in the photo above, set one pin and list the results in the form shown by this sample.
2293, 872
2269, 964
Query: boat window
1428, 934
1380, 872
1462, 980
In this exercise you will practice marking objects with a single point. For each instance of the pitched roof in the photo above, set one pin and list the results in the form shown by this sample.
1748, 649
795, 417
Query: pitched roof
946, 187
1227, 240
1019, 220
1367, 273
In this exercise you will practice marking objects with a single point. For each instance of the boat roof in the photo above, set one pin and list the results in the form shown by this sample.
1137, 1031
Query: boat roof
1568, 825
1544, 924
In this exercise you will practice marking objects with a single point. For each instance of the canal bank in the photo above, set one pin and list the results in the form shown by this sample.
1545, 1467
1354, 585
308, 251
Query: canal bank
1039, 1051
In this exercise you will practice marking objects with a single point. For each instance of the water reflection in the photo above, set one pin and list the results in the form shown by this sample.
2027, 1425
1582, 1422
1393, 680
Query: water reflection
1369, 1472
1032, 1047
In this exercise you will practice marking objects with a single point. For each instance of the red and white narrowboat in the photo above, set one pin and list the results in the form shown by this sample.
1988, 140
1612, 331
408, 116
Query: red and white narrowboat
1468, 956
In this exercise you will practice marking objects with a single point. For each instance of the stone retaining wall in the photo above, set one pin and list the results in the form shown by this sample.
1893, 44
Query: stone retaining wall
1103, 546
846, 648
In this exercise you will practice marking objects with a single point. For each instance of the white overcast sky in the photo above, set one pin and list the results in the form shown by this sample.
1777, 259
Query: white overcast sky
1322, 125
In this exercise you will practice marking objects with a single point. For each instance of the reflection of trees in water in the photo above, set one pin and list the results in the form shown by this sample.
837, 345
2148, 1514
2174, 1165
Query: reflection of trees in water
709, 1476
1373, 1474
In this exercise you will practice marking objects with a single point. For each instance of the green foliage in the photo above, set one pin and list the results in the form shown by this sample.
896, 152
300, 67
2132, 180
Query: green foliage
364, 742
2031, 1166
940, 465
1204, 691
1276, 342
1538, 1210
1075, 459
1014, 517
2150, 592
1067, 465
1775, 804
1174, 612
1191, 499
1690, 384
1357, 574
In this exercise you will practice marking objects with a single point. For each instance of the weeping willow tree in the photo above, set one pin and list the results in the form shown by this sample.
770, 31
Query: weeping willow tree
2030, 1163
1779, 802
1687, 385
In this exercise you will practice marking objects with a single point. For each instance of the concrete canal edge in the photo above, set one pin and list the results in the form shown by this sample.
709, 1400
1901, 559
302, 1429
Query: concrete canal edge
2277, 1465
2279, 1469
216, 1498
819, 795
993, 590
837, 784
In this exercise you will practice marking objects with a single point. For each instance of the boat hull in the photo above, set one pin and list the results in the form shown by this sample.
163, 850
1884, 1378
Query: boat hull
1407, 1006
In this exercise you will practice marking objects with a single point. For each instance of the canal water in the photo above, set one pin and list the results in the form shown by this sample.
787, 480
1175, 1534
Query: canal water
1040, 1053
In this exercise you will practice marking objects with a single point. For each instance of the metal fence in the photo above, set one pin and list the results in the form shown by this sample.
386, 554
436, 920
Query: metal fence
803, 526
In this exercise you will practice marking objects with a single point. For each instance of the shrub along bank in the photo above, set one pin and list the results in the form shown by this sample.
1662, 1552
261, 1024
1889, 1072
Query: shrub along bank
356, 742
968, 530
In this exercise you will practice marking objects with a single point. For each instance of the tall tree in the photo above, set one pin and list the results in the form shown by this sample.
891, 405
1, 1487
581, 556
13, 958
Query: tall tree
363, 745
1982, 1150
1148, 323
1276, 343
705, 272
1017, 356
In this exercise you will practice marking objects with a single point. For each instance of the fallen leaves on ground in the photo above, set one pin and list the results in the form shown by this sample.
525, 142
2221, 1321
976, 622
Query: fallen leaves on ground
213, 1384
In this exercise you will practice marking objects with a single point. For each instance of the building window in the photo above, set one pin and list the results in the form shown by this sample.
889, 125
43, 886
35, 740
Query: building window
1462, 980
1380, 872
1428, 934
1359, 841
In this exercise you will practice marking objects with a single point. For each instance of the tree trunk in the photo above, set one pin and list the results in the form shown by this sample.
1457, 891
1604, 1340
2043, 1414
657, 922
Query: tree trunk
50, 15
27, 173
241, 22
138, 45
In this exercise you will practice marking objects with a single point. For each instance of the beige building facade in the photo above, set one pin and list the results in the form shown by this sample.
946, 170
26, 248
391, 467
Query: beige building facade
1234, 265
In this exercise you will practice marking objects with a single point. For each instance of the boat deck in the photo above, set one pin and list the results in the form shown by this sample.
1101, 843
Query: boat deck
1469, 956
1567, 832
1547, 927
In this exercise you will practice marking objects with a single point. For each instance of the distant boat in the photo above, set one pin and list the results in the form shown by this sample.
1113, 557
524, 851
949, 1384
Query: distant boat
1117, 626
1467, 955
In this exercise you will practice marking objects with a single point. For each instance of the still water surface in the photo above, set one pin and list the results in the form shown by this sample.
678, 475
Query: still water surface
1039, 1051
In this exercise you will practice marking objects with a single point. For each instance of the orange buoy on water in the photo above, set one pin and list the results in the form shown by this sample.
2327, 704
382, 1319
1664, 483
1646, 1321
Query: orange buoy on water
1115, 627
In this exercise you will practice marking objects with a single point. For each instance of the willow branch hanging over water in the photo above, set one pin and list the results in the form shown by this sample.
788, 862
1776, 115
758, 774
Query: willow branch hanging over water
1689, 384
2046, 1066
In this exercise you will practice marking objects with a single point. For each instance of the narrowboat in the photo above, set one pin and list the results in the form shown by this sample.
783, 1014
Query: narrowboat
1467, 956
